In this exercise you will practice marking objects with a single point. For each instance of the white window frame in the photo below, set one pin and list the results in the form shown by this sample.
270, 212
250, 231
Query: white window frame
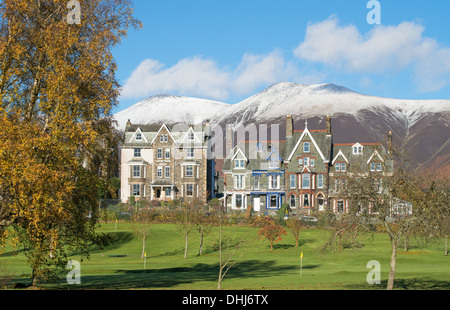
189, 171
306, 177
159, 153
320, 181
306, 147
137, 152
167, 153
187, 190
136, 171
190, 152
292, 179
167, 171
159, 172
136, 190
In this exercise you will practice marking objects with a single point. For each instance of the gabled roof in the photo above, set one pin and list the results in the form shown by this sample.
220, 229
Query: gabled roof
337, 156
239, 150
138, 130
157, 134
308, 133
274, 151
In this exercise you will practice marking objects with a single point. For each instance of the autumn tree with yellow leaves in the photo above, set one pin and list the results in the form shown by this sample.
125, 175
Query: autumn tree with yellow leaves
57, 82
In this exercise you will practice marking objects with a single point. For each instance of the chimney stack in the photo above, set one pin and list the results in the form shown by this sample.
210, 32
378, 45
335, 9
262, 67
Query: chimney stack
328, 125
390, 142
129, 122
289, 126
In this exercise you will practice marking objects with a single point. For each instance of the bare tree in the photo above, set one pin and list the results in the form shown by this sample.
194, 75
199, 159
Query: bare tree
230, 254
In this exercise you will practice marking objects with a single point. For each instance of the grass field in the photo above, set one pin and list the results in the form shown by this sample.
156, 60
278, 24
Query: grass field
421, 267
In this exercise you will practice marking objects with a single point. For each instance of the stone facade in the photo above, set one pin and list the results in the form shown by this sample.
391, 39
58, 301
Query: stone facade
166, 162
305, 171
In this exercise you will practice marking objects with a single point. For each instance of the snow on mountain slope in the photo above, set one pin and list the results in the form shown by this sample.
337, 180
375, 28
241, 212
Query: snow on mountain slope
277, 101
170, 109
313, 100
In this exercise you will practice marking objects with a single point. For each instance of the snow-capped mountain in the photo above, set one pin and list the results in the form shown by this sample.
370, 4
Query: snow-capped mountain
422, 124
170, 109
286, 98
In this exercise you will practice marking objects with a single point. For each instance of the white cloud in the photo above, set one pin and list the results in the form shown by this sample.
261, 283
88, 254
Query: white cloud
198, 76
384, 49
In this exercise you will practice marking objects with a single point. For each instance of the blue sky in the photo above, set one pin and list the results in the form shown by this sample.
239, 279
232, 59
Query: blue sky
229, 50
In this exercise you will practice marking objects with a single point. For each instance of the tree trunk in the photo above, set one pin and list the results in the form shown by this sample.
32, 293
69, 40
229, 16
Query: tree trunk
185, 245
201, 243
394, 244
445, 248
143, 246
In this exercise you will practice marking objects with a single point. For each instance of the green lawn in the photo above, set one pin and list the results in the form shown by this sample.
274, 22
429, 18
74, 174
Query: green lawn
422, 267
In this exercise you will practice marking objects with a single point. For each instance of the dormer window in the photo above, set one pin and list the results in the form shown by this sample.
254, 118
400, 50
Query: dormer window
274, 163
357, 149
138, 136
190, 136
306, 147
239, 164
259, 147
375, 166
340, 167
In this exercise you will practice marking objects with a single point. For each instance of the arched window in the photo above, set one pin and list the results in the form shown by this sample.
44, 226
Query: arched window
320, 201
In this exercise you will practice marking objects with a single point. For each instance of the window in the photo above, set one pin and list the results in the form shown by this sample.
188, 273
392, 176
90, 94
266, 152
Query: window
137, 152
189, 189
311, 161
357, 150
165, 138
292, 179
161, 138
274, 163
320, 201
167, 154
138, 136
136, 171
343, 167
274, 181
189, 171
306, 200
167, 172
306, 161
306, 180
320, 181
191, 136
238, 198
168, 191
159, 172
337, 167
239, 163
292, 201
259, 147
190, 152
378, 166
372, 166
340, 206
239, 181
337, 185
306, 147
136, 190
256, 181
273, 201
159, 153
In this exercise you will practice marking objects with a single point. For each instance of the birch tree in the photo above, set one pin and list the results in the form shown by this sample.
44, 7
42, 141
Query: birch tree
57, 81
